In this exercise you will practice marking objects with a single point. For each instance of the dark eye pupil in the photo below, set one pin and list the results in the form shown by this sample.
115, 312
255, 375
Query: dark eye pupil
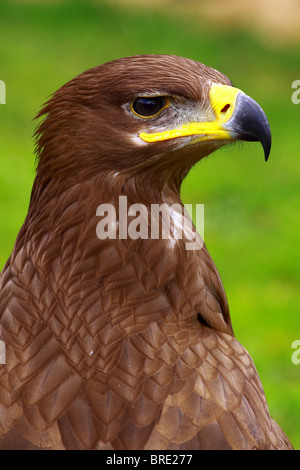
148, 106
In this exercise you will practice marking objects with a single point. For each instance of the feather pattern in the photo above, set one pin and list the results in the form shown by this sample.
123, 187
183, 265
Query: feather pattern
119, 344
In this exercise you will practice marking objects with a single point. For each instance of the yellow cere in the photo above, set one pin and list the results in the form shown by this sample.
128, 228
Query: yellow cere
222, 100
223, 97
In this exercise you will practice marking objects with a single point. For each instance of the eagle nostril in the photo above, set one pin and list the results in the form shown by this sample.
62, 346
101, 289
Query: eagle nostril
225, 108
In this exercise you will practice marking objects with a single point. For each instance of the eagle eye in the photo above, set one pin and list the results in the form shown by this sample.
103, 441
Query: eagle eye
148, 106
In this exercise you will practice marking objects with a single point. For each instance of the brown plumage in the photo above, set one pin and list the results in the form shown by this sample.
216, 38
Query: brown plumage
123, 343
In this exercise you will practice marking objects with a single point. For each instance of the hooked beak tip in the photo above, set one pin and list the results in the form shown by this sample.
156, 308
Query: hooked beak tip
249, 123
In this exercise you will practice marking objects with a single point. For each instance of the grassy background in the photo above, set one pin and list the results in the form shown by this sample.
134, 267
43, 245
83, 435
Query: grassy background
252, 224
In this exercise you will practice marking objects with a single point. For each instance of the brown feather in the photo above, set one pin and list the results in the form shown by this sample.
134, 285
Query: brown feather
119, 344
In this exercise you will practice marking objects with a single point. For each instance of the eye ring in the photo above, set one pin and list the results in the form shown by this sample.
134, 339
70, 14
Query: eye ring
147, 107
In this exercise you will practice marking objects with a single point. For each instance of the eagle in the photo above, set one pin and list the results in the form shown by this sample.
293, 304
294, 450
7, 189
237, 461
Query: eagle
115, 341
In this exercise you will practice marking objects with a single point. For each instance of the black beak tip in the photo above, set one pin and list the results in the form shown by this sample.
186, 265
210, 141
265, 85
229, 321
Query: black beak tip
267, 152
263, 134
251, 123
266, 141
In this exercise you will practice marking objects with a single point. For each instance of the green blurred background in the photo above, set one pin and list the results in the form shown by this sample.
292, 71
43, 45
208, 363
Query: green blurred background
252, 223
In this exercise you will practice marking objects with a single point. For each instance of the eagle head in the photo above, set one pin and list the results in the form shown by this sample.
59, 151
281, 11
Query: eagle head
155, 115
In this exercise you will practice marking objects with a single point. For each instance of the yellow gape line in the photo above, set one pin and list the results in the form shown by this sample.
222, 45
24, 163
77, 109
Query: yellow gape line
222, 100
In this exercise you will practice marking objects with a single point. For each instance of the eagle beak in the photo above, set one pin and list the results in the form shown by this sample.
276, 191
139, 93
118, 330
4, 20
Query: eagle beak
245, 120
237, 117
